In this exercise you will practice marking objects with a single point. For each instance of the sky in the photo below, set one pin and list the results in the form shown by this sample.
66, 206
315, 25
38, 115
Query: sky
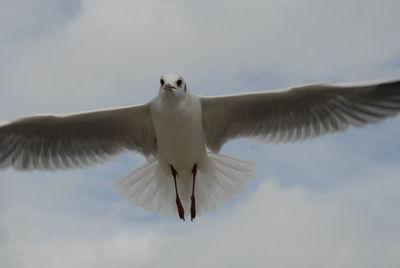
328, 202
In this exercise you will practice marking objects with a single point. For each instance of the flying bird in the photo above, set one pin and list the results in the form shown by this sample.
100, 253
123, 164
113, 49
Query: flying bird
181, 134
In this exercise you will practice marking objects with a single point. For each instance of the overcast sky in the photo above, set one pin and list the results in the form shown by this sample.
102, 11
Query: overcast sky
329, 202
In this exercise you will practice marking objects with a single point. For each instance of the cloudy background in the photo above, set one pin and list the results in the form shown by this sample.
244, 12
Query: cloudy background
329, 202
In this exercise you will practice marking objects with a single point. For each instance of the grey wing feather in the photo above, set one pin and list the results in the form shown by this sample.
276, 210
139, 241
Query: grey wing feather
52, 142
297, 114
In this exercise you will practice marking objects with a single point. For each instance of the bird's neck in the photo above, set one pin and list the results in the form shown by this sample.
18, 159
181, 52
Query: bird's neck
174, 100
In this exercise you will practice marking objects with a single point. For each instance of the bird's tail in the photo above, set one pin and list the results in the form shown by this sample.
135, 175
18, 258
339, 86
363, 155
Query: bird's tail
219, 179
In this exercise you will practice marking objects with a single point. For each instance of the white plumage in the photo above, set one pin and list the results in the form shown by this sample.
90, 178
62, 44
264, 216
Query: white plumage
181, 134
220, 178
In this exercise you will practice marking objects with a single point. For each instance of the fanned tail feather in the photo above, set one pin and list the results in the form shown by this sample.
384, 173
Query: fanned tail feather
219, 179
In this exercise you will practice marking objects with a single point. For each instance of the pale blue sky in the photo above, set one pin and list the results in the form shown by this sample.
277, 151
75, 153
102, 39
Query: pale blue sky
328, 202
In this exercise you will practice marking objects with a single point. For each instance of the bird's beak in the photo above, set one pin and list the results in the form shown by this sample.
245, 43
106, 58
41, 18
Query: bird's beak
168, 87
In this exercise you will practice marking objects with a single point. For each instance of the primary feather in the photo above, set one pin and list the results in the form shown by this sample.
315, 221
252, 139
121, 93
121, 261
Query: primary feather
62, 142
297, 114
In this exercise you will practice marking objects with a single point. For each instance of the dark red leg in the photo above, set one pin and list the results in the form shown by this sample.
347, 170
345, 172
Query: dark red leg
181, 212
193, 206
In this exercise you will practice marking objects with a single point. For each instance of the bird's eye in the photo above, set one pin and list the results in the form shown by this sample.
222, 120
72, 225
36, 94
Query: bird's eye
162, 81
179, 82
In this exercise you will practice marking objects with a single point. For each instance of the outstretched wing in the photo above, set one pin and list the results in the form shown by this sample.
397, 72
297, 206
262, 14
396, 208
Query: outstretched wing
297, 114
52, 142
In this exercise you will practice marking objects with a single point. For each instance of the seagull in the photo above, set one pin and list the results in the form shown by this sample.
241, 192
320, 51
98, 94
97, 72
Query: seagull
181, 134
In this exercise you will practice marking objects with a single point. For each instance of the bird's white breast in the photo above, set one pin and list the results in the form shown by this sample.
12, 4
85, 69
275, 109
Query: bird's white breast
179, 130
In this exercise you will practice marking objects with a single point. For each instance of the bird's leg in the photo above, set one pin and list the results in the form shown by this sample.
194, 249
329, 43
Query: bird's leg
178, 200
193, 206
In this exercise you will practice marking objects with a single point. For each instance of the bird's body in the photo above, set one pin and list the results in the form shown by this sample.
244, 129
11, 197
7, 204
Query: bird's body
179, 131
181, 135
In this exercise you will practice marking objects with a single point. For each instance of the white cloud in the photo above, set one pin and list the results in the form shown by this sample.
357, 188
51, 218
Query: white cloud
274, 226
110, 47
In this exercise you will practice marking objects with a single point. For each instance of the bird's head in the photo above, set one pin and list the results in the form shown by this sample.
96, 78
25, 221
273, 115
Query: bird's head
172, 85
